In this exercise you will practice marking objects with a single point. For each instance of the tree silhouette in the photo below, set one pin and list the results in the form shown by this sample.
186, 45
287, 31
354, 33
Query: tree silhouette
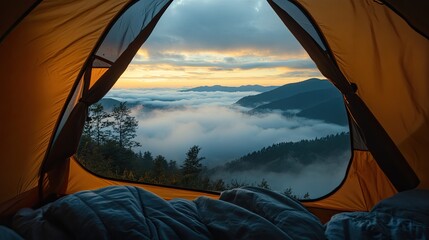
124, 126
192, 167
97, 124
146, 160
264, 184
159, 170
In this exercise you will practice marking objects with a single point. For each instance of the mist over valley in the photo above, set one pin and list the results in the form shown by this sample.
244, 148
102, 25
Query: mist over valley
230, 123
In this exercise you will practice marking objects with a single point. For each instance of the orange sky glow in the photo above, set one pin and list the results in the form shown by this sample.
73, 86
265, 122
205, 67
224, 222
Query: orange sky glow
147, 74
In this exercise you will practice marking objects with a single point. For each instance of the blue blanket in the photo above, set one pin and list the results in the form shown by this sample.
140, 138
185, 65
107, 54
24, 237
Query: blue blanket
122, 212
403, 216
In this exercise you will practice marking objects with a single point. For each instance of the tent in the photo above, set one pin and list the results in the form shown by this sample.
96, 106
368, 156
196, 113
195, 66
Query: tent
59, 57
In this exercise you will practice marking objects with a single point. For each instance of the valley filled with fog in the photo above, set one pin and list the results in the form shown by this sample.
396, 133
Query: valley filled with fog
170, 121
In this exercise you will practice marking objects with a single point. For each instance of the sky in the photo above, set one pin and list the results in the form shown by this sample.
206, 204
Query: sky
218, 42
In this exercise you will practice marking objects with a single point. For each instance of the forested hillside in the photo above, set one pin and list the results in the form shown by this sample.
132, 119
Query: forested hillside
292, 156
282, 92
312, 99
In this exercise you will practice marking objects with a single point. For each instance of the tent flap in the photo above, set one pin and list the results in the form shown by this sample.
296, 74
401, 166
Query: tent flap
378, 141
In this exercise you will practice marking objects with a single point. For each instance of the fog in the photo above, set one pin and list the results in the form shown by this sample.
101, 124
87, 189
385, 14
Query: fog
210, 120
176, 98
223, 133
315, 179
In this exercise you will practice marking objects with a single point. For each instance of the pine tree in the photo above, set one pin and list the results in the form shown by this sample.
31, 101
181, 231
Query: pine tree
146, 160
192, 167
289, 192
124, 126
218, 185
172, 166
97, 124
159, 170
264, 184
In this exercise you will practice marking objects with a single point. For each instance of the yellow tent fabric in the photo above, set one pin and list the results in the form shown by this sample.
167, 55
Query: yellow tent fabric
377, 50
48, 50
40, 61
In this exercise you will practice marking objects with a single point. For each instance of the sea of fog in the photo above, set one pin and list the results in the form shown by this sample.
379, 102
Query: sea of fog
177, 120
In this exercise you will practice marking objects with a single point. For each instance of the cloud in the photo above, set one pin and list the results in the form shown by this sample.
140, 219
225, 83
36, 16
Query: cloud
230, 63
176, 98
293, 64
304, 73
222, 25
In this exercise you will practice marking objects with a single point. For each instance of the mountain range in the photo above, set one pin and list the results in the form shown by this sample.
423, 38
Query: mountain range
284, 91
313, 99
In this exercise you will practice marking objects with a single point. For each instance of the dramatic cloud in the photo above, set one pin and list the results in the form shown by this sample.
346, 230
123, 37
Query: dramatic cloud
195, 25
229, 63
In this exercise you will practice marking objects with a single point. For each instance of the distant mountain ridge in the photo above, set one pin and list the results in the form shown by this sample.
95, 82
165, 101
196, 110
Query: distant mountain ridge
284, 91
313, 99
219, 88
301, 100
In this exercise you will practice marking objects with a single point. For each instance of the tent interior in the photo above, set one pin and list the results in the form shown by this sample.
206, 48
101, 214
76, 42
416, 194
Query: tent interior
60, 57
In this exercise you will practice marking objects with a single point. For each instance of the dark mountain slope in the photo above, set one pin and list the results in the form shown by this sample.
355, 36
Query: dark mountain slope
285, 91
301, 101
293, 156
331, 111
